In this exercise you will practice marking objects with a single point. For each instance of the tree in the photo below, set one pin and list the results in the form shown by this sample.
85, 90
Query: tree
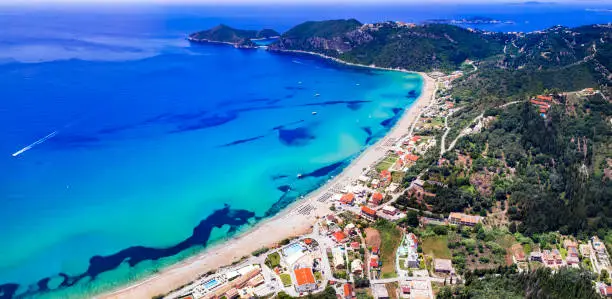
412, 218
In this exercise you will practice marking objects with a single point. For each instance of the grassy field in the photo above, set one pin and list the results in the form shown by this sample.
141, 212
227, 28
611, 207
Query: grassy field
390, 239
436, 246
273, 260
386, 163
286, 279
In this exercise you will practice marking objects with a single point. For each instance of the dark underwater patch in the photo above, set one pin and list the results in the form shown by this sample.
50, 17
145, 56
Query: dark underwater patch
279, 176
136, 254
295, 88
412, 94
368, 131
295, 137
284, 188
389, 122
204, 123
354, 106
327, 103
68, 141
240, 141
323, 171
287, 125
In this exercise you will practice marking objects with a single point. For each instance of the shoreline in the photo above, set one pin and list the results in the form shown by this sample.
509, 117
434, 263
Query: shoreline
287, 223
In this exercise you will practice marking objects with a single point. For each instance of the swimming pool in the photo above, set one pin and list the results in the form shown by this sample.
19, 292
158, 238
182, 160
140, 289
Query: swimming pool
292, 249
210, 284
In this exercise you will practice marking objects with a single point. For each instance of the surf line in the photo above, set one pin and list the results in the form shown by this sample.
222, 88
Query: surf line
35, 143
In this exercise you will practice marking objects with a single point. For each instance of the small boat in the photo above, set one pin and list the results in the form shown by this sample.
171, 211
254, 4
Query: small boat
314, 112
299, 175
316, 94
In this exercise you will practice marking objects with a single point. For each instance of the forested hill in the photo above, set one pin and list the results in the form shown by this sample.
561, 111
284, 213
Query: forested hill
445, 47
390, 44
226, 34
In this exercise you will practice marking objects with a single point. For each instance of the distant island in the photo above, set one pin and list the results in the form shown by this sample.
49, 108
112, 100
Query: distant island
477, 20
237, 37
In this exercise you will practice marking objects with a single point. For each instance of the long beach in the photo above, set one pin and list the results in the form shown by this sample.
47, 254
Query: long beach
287, 223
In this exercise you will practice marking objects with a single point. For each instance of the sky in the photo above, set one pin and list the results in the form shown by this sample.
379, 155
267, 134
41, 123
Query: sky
226, 2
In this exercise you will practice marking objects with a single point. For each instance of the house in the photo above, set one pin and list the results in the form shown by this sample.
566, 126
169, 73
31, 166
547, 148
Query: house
379, 291
536, 256
552, 258
385, 177
393, 187
349, 228
585, 250
375, 250
339, 237
410, 158
231, 294
374, 262
368, 213
376, 198
355, 245
348, 291
572, 260
605, 290
357, 266
331, 218
443, 265
412, 261
347, 199
304, 280
389, 210
375, 183
463, 219
338, 258
519, 256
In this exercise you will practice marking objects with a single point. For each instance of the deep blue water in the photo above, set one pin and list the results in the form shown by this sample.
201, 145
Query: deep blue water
157, 147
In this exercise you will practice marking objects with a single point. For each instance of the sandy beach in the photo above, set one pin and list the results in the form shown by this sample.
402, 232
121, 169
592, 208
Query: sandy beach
290, 222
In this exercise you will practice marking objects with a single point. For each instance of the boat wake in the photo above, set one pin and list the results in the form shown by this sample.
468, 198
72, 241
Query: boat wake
35, 143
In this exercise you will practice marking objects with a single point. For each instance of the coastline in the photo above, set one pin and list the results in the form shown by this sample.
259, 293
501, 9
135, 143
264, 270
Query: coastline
287, 223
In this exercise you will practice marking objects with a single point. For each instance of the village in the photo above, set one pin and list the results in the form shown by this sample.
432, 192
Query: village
368, 246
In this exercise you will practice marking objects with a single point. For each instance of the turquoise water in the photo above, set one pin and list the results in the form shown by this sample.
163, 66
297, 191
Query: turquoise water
125, 154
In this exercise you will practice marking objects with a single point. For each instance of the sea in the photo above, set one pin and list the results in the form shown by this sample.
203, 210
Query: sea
125, 149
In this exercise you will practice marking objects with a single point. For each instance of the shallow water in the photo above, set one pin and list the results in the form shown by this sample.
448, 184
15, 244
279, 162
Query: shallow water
122, 166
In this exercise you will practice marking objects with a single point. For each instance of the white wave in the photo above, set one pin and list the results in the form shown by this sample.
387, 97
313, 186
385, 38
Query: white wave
35, 143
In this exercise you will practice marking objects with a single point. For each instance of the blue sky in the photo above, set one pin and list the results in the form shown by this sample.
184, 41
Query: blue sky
295, 1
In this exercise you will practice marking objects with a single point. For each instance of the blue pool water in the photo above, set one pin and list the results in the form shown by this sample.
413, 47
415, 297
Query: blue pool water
292, 249
125, 149
211, 284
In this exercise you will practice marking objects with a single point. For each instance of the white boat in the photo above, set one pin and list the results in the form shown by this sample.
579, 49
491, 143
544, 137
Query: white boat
299, 175
314, 112
316, 94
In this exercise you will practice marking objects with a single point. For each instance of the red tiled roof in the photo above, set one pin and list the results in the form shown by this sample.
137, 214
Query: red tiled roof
348, 289
544, 98
375, 249
339, 236
368, 211
415, 138
347, 198
304, 276
355, 245
411, 157
374, 262
377, 197
308, 241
